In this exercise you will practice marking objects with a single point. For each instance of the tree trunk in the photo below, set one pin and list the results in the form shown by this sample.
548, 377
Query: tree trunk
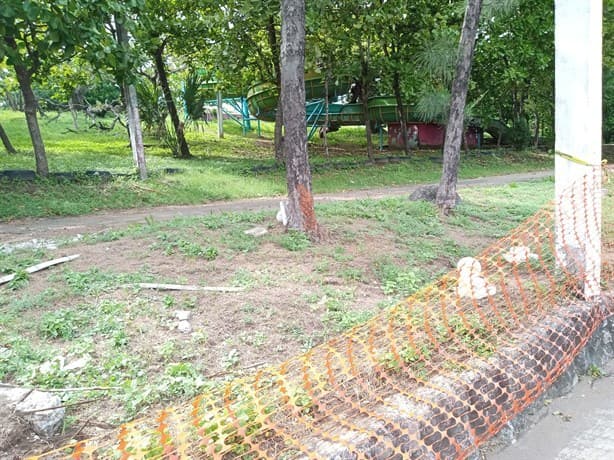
184, 150
74, 115
536, 133
446, 194
278, 135
132, 110
396, 86
364, 98
6, 141
300, 208
134, 129
368, 131
30, 107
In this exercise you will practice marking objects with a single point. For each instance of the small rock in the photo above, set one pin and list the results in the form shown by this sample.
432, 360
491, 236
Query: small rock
185, 327
471, 283
57, 363
256, 231
519, 254
183, 315
23, 401
429, 193
79, 363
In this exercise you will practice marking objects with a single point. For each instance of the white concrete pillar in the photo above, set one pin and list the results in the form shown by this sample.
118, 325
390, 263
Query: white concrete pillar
578, 25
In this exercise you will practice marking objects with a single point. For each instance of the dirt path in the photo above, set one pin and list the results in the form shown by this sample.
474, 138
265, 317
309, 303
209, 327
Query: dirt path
53, 227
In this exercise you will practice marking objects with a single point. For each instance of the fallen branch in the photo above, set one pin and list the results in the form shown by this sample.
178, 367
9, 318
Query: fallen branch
61, 390
145, 189
78, 432
62, 406
234, 371
185, 287
39, 267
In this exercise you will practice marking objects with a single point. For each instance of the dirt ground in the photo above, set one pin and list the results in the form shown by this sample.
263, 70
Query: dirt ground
294, 297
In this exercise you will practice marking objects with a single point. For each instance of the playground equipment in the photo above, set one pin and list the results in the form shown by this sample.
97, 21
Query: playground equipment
383, 111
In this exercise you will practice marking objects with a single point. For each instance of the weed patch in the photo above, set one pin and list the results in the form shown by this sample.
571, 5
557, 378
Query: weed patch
294, 240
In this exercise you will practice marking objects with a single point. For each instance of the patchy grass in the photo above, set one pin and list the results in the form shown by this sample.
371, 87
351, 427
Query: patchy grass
296, 294
234, 167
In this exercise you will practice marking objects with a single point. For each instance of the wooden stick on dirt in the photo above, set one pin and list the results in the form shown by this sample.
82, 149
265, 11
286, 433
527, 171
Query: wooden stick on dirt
39, 267
223, 373
62, 406
185, 287
61, 390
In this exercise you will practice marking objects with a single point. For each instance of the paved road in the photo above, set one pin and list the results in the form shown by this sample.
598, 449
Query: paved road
579, 426
40, 228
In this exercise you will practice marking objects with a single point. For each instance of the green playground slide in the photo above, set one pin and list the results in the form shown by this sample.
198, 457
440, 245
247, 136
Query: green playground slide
262, 103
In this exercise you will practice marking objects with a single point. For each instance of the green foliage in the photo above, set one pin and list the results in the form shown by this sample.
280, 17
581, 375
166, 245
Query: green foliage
231, 359
17, 357
343, 320
181, 380
152, 108
54, 31
438, 58
520, 45
225, 173
20, 280
608, 104
433, 105
236, 240
396, 280
172, 244
294, 240
594, 371
61, 324
472, 331
413, 358
193, 97
95, 281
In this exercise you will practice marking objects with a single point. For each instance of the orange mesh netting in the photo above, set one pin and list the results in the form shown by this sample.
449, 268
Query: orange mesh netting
431, 378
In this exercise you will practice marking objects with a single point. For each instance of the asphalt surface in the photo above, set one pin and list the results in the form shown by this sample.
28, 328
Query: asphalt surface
579, 426
53, 227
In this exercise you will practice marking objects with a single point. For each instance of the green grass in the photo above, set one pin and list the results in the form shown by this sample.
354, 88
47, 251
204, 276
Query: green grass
82, 313
222, 169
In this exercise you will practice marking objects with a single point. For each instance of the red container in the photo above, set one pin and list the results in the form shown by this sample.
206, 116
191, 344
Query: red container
426, 134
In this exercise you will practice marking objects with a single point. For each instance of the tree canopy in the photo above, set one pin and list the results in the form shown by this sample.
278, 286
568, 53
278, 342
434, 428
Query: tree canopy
400, 48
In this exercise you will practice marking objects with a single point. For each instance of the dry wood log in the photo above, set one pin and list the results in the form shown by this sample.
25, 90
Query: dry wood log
185, 287
39, 267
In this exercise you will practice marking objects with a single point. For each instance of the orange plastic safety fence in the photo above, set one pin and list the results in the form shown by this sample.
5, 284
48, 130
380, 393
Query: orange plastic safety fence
431, 378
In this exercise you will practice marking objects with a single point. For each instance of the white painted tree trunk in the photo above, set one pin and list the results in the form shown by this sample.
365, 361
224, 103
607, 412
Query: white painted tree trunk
578, 138
134, 126
132, 110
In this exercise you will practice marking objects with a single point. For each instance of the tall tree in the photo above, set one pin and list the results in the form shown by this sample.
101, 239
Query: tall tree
36, 35
446, 193
300, 208
404, 28
519, 43
25, 67
161, 24
130, 98
254, 24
